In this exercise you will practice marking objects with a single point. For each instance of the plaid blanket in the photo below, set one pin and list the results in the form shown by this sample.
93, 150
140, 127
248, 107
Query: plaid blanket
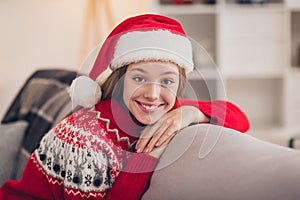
39, 102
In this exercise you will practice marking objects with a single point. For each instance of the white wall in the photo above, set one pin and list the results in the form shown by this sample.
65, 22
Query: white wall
52, 33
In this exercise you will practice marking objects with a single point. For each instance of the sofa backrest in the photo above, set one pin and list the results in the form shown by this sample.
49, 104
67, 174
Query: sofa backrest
209, 162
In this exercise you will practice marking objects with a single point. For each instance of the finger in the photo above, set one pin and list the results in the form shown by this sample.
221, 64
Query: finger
162, 147
146, 136
141, 144
162, 135
173, 125
151, 142
154, 140
151, 134
143, 139
150, 130
170, 132
167, 141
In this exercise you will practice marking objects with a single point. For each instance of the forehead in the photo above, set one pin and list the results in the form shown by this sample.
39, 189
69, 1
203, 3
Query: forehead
154, 67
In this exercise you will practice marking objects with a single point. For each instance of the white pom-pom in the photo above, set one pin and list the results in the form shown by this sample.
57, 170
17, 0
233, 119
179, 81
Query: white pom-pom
84, 92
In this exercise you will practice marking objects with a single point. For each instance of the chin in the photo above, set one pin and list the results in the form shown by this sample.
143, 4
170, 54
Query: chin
148, 120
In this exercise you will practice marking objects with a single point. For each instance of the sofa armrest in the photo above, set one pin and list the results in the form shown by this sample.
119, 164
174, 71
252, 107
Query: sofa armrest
209, 162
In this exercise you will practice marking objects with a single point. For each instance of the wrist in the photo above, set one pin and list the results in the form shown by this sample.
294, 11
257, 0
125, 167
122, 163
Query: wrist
197, 115
203, 118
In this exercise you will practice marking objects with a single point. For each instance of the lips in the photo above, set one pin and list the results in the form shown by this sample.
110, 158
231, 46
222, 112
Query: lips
148, 108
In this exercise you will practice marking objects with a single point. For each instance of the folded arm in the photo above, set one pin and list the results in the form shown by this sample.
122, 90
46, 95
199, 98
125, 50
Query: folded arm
186, 112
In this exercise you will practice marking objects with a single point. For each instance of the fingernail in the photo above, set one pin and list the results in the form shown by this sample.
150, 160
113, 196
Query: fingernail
157, 144
147, 150
138, 150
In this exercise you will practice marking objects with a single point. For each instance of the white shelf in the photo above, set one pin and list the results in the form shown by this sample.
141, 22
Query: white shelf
293, 4
204, 74
188, 9
254, 47
248, 74
268, 7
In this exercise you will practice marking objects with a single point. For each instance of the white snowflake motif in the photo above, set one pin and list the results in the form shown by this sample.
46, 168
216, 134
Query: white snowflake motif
88, 179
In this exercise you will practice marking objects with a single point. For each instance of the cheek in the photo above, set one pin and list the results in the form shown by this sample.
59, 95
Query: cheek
170, 95
129, 92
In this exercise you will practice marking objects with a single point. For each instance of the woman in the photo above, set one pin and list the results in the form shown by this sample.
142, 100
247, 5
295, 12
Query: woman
109, 150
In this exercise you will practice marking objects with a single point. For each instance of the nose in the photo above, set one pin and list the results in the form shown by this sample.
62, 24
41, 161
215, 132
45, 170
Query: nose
152, 91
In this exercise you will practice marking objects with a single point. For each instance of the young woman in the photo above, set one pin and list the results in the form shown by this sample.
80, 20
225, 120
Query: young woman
109, 150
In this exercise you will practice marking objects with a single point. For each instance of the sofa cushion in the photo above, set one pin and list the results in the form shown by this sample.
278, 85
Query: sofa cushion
11, 135
210, 162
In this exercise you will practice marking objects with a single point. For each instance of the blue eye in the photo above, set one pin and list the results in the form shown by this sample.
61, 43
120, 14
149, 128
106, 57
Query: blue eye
167, 81
138, 79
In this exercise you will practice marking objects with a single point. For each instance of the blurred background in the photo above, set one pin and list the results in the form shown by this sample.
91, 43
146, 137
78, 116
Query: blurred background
254, 43
53, 33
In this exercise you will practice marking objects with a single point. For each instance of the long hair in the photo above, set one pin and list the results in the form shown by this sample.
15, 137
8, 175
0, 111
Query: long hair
113, 86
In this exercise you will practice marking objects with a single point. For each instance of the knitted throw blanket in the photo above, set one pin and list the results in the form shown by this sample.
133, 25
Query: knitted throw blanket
39, 101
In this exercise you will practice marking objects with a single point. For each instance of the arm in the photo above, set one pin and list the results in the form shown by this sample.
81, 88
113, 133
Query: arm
222, 113
133, 180
186, 112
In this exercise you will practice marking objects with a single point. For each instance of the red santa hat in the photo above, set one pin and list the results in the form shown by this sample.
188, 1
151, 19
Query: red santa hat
147, 37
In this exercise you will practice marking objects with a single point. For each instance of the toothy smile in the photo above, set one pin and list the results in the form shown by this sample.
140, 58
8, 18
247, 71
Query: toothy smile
148, 107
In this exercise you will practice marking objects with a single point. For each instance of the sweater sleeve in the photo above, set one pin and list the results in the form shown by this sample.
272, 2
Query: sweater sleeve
133, 180
220, 112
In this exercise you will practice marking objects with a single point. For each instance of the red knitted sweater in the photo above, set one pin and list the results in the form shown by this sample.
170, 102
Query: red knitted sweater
89, 155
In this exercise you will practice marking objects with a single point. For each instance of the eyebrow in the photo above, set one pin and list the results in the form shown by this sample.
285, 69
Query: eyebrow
138, 69
164, 73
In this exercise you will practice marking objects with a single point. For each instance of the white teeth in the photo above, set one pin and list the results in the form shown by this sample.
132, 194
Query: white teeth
149, 107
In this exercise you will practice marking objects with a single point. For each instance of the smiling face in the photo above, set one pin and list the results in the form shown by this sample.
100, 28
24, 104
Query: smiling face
150, 89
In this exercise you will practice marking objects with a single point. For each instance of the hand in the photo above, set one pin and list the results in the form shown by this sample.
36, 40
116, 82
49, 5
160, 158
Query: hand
167, 126
157, 151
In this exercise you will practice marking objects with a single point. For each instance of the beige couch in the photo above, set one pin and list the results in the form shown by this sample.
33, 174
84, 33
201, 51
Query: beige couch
210, 162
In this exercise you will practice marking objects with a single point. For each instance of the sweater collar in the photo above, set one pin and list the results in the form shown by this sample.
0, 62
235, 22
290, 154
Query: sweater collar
120, 117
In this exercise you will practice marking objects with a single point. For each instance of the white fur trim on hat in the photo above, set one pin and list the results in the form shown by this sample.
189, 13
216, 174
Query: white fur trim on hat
84, 92
154, 45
